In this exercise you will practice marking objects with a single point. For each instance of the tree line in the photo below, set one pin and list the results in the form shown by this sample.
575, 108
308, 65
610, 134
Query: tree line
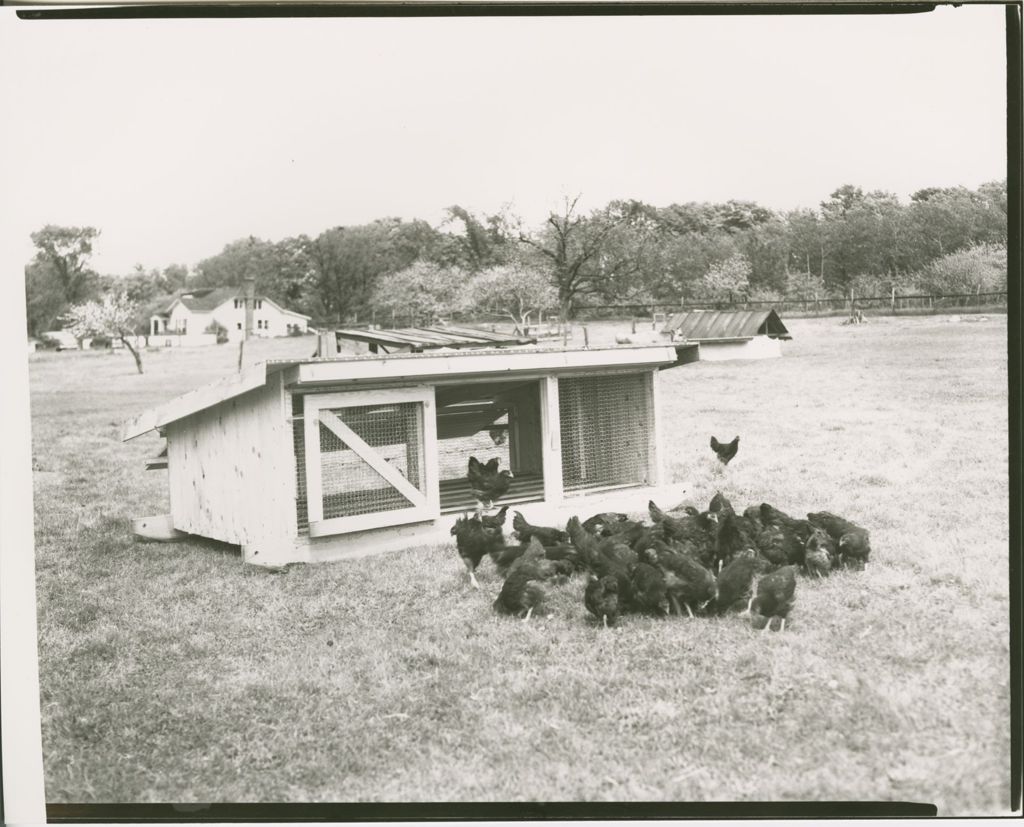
945, 240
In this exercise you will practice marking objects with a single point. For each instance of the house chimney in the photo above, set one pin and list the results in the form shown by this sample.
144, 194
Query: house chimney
250, 302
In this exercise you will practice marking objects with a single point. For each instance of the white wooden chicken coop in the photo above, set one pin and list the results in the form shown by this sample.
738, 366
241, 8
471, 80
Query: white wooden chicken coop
324, 458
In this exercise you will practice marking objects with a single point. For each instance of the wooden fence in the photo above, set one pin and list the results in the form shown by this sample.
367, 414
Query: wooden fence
893, 303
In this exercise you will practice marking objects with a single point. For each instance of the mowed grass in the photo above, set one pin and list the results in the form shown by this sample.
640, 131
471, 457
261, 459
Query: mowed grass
174, 672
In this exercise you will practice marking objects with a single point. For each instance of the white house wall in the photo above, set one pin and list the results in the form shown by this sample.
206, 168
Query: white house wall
267, 320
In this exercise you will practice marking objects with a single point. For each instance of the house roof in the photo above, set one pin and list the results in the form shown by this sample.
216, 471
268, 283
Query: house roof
207, 299
471, 364
719, 325
427, 338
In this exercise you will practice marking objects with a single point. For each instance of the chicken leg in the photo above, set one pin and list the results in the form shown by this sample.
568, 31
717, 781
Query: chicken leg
528, 613
472, 576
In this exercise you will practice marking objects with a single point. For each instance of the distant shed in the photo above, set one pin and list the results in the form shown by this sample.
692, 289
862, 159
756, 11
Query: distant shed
303, 460
730, 334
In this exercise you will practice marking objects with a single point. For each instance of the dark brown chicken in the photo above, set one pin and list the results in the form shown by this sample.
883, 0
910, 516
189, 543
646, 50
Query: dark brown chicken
486, 482
605, 524
775, 596
819, 553
473, 540
735, 584
601, 597
725, 452
523, 589
524, 531
697, 533
854, 542
604, 556
647, 583
687, 583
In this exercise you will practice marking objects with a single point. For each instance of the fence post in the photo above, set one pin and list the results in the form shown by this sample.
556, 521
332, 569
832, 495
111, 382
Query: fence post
633, 324
893, 300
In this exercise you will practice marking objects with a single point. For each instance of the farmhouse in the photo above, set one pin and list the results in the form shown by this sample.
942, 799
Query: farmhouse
730, 334
193, 314
324, 458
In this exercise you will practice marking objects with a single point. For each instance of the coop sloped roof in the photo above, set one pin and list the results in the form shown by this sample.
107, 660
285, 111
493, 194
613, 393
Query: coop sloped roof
472, 364
426, 338
712, 325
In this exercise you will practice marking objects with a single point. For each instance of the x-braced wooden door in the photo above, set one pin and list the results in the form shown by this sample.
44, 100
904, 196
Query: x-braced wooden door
371, 459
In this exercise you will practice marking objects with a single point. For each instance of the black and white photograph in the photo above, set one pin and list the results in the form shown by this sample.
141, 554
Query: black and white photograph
467, 408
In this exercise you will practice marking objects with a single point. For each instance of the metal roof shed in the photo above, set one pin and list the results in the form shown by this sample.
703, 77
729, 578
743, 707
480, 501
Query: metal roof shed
730, 334
325, 458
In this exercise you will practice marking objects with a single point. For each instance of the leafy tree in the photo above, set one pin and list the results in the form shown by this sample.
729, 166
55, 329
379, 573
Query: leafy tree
480, 242
513, 290
348, 262
728, 279
421, 291
592, 255
65, 252
976, 269
113, 316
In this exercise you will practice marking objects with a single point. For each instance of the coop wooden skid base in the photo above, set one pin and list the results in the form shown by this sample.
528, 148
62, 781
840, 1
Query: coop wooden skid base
158, 529
438, 532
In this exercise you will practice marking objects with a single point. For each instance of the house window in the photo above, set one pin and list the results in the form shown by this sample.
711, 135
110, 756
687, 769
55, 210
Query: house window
238, 303
266, 324
259, 304
239, 325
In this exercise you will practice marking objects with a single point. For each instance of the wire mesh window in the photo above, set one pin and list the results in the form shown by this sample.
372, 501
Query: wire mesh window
606, 423
350, 485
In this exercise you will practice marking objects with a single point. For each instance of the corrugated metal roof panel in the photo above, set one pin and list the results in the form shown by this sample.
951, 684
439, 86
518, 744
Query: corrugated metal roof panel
420, 338
711, 325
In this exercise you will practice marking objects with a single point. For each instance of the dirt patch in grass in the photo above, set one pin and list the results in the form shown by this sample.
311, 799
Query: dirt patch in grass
173, 672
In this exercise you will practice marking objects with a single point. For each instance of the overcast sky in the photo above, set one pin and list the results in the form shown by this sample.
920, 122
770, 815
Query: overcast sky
176, 137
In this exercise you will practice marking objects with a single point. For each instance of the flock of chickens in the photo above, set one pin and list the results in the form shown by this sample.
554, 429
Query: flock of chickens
709, 562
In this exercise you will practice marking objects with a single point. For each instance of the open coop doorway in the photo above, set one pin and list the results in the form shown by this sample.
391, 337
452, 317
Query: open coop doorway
487, 420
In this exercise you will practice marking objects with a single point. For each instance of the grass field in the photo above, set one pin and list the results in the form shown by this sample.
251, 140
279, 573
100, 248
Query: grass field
175, 673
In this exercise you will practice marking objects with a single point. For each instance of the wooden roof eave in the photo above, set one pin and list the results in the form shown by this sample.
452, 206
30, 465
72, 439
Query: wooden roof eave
421, 368
194, 401
476, 365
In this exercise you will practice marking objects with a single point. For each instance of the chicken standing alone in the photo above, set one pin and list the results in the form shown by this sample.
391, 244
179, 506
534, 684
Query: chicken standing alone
725, 452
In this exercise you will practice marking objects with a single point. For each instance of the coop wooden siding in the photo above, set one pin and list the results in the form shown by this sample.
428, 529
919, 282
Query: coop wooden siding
232, 469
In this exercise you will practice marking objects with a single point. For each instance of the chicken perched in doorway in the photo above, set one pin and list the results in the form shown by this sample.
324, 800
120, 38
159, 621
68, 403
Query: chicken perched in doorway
473, 540
775, 596
548, 536
486, 482
725, 452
